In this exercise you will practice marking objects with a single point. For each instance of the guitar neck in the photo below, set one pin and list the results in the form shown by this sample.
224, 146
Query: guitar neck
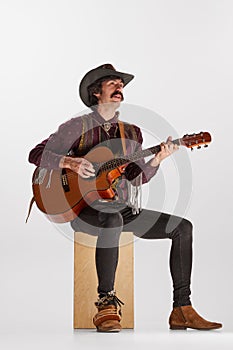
114, 163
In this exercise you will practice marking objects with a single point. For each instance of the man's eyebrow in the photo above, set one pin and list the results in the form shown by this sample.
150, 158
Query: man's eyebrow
115, 80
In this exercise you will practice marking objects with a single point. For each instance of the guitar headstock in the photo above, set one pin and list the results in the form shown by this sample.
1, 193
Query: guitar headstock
196, 140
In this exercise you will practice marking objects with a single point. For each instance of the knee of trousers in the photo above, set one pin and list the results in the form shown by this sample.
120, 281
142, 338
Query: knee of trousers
110, 229
110, 220
184, 230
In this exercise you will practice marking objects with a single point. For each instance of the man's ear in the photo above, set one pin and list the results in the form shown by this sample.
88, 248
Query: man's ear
96, 94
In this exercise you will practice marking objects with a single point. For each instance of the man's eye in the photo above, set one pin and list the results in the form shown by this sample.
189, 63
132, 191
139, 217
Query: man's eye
112, 82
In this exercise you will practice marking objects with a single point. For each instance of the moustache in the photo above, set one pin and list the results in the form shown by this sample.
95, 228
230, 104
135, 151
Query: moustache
118, 93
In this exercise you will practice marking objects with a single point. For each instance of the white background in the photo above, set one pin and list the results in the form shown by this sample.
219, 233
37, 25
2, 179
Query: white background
181, 54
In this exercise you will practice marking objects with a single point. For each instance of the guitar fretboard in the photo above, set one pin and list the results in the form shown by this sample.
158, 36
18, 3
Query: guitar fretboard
114, 163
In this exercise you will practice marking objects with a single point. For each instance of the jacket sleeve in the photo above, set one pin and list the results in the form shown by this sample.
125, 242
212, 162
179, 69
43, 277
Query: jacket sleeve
49, 152
133, 169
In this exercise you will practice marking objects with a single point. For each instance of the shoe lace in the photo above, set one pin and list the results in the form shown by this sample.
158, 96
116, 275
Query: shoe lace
108, 299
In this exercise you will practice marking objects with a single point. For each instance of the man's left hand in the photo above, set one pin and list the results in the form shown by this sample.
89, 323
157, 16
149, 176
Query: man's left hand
167, 148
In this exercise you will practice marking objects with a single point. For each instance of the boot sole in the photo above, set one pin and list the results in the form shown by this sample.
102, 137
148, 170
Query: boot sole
108, 330
175, 328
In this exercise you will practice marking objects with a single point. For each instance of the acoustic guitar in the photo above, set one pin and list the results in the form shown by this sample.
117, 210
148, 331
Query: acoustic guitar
62, 194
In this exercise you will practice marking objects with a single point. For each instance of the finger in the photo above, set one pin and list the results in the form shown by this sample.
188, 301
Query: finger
169, 139
87, 172
86, 168
173, 148
167, 148
87, 164
162, 145
92, 170
81, 161
83, 174
170, 145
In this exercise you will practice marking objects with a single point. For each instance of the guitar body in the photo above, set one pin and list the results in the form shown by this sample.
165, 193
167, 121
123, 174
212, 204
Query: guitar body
62, 194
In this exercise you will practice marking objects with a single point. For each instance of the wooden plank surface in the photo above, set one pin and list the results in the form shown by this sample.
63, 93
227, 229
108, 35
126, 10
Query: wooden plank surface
85, 279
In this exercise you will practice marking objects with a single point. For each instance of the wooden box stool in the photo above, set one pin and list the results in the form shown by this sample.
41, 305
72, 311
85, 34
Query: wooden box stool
86, 282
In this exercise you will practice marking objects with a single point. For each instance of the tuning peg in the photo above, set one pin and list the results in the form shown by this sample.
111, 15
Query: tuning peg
198, 147
206, 146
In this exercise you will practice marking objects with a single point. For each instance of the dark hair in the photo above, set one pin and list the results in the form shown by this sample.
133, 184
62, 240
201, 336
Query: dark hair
96, 88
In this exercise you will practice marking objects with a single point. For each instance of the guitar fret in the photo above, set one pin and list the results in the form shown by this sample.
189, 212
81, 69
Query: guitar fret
113, 163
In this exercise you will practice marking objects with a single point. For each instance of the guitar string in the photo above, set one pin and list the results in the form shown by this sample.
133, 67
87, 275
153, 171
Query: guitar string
106, 127
118, 162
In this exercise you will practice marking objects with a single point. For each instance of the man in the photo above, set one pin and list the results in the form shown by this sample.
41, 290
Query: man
102, 90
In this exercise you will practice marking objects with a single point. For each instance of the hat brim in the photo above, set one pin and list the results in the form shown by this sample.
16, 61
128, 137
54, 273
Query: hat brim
96, 74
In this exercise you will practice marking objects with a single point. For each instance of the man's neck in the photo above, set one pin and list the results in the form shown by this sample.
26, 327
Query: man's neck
107, 111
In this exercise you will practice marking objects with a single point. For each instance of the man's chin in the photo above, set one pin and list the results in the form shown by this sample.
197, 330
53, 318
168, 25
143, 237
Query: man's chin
116, 104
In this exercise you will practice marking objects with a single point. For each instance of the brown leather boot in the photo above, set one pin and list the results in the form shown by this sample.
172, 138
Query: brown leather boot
184, 317
108, 318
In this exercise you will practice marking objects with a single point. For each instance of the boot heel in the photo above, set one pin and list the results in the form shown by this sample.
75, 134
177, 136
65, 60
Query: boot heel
178, 328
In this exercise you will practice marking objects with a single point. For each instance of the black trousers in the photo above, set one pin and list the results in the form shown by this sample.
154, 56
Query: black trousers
108, 220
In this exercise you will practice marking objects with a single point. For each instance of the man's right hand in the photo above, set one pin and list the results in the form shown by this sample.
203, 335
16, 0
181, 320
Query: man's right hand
80, 166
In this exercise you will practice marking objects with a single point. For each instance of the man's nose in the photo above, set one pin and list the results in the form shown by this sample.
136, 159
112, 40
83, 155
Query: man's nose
119, 86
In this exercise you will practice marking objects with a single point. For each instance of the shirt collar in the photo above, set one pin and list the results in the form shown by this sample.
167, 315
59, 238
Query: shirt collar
101, 120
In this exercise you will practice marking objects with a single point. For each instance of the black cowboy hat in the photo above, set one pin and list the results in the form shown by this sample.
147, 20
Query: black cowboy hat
102, 71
